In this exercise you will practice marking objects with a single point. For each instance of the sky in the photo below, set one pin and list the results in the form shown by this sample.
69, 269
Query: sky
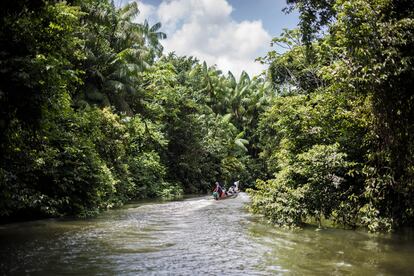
228, 33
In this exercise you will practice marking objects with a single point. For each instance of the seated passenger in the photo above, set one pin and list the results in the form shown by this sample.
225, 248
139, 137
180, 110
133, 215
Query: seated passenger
218, 190
236, 186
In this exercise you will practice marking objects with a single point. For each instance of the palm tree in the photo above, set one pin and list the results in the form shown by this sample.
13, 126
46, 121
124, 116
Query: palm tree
211, 85
152, 37
237, 96
115, 54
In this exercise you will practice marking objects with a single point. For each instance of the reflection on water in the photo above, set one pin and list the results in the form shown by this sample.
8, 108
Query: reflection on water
193, 237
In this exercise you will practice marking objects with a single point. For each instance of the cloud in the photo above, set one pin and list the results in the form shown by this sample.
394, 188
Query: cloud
206, 30
170, 13
146, 11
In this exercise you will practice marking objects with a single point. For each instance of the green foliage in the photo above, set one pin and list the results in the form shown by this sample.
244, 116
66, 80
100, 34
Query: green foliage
57, 160
307, 152
91, 118
37, 49
292, 72
357, 76
93, 115
170, 191
281, 204
314, 15
324, 167
204, 146
61, 172
117, 50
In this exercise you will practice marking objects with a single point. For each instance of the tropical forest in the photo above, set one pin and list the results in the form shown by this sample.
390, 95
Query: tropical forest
111, 147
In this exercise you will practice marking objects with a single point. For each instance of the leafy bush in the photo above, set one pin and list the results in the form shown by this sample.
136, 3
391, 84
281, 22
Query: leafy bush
309, 157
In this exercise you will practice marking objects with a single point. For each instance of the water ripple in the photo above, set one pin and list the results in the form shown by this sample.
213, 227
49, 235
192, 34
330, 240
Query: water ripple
195, 237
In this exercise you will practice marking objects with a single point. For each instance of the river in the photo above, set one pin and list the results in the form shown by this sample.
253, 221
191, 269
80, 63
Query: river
197, 236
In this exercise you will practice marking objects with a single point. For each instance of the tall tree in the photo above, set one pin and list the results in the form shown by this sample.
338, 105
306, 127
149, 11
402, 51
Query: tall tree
152, 37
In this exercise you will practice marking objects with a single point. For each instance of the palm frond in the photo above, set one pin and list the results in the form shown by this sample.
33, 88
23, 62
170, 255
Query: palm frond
155, 27
129, 11
241, 143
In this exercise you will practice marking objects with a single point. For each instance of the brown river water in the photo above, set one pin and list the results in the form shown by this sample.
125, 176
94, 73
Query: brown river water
197, 236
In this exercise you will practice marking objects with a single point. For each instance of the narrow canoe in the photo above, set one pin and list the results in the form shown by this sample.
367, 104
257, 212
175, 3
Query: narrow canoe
227, 197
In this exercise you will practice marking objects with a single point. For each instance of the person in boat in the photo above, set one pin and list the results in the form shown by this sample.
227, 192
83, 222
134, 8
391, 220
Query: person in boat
218, 191
236, 186
231, 190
